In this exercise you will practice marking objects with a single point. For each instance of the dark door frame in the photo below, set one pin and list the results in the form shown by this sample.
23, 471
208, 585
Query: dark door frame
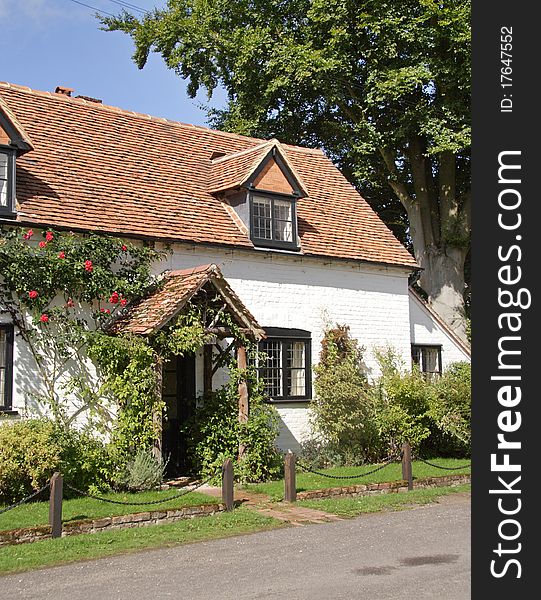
174, 443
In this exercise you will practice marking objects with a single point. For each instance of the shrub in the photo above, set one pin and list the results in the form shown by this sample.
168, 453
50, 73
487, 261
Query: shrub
32, 450
318, 454
144, 472
214, 434
450, 411
343, 408
403, 402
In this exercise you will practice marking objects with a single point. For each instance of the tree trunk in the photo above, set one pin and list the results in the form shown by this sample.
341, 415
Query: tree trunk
442, 279
436, 217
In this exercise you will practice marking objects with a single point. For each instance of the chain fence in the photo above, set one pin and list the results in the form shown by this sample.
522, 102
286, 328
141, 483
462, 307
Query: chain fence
27, 499
142, 503
427, 462
386, 463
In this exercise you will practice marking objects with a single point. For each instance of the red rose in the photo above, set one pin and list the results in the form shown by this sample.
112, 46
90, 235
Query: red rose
49, 236
123, 302
42, 244
32, 294
44, 318
28, 234
124, 248
88, 265
70, 303
114, 298
105, 311
61, 255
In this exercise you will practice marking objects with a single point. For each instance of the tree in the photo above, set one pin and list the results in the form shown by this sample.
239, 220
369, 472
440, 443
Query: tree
382, 86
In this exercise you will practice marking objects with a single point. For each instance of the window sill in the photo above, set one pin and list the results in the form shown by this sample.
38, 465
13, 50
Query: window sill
275, 245
5, 411
288, 400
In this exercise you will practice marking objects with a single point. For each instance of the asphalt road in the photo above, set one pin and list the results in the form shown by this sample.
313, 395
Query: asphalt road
418, 553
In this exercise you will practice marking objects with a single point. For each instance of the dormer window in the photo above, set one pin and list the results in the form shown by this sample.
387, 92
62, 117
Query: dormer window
273, 220
261, 185
7, 164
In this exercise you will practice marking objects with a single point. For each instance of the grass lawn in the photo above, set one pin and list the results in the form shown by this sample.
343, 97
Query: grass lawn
37, 513
351, 507
24, 557
393, 472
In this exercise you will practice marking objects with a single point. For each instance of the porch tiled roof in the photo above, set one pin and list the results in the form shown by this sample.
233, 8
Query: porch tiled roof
100, 168
154, 311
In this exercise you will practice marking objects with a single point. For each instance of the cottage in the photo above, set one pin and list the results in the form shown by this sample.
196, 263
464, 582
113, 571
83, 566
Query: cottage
276, 229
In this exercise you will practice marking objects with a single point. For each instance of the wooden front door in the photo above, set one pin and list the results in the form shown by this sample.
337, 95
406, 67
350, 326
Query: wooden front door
178, 394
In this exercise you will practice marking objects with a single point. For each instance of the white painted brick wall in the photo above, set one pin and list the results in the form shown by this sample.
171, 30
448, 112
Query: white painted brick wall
426, 330
284, 290
294, 426
305, 293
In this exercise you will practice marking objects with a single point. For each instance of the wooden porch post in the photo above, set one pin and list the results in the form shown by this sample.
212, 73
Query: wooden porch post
244, 407
207, 369
157, 415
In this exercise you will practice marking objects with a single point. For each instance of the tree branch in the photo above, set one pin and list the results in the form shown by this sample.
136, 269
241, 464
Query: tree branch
398, 187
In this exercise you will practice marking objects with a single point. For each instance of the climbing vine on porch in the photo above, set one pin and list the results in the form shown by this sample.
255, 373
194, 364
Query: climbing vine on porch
60, 291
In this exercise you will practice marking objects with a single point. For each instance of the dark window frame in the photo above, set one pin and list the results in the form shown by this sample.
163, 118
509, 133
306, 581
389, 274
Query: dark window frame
273, 243
6, 402
9, 209
420, 363
285, 337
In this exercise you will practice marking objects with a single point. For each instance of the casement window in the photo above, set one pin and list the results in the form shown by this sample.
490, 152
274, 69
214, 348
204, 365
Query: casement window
273, 220
427, 358
6, 366
285, 364
7, 182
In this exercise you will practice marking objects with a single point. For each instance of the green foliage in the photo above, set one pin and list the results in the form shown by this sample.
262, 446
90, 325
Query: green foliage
433, 415
144, 472
215, 433
450, 411
127, 365
357, 421
87, 269
404, 401
343, 407
32, 450
49, 289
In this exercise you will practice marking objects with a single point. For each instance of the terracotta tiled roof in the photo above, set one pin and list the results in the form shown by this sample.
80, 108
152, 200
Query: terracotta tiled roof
95, 167
157, 309
234, 170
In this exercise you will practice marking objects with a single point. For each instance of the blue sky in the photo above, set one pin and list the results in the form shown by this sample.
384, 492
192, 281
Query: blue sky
45, 43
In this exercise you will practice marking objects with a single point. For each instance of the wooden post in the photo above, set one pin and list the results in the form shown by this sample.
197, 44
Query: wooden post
290, 479
243, 387
407, 472
207, 369
227, 484
55, 505
243, 392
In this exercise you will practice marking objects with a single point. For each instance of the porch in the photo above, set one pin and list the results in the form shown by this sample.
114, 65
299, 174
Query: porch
185, 378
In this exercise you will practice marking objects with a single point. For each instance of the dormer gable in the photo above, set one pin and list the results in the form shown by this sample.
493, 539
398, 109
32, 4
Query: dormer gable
264, 166
12, 133
263, 188
13, 141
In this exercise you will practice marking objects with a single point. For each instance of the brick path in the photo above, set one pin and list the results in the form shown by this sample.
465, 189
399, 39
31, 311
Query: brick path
283, 511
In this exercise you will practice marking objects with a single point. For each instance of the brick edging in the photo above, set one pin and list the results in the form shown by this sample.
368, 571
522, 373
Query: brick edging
142, 519
372, 489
